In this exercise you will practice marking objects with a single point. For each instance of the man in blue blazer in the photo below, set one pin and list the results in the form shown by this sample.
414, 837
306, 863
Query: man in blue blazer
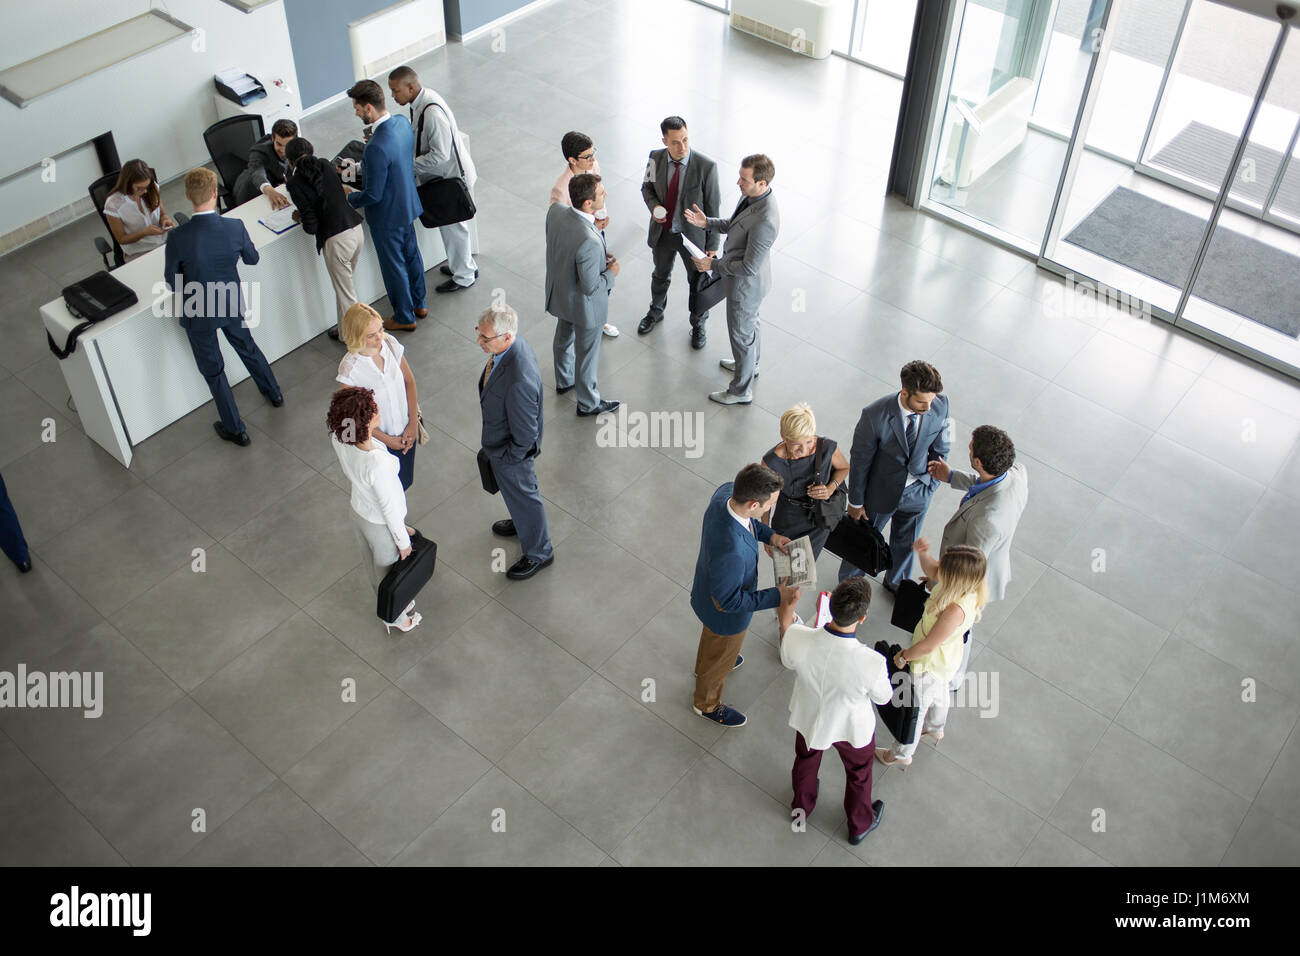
725, 594
510, 397
889, 478
202, 266
391, 203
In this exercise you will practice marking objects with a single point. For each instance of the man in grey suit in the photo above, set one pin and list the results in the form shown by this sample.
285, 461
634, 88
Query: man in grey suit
677, 178
889, 477
510, 397
579, 278
744, 270
996, 494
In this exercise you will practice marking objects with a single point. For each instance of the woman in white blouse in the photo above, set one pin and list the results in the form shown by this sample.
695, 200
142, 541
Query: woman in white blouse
375, 361
135, 212
378, 502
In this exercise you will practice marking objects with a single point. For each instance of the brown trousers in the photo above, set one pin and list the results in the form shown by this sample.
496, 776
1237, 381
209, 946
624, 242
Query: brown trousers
713, 662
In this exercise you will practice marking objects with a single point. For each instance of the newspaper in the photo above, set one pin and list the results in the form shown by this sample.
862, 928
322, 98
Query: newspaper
799, 565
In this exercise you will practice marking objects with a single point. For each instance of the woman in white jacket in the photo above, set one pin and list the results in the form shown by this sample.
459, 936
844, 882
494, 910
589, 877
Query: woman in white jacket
378, 501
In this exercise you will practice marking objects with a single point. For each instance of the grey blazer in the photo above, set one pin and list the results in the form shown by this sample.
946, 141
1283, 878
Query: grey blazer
879, 461
745, 264
989, 521
577, 283
699, 186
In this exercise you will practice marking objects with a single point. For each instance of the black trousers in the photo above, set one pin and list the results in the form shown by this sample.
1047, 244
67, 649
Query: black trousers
666, 251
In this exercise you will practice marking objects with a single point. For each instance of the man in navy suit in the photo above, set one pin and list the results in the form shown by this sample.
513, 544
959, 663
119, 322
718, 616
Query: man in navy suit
510, 396
889, 478
391, 203
202, 266
725, 594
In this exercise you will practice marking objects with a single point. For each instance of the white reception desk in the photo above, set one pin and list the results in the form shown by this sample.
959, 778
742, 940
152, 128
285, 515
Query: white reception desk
133, 374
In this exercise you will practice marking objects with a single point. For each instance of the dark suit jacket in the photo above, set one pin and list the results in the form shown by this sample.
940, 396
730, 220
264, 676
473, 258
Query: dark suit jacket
317, 191
206, 252
879, 461
725, 593
388, 168
264, 166
698, 185
512, 405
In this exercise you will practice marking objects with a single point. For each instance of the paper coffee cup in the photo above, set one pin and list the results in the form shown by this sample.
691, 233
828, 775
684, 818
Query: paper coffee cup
660, 213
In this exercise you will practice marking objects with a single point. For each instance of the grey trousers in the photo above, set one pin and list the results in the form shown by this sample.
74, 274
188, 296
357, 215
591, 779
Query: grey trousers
570, 340
378, 549
742, 327
341, 253
518, 484
455, 239
665, 252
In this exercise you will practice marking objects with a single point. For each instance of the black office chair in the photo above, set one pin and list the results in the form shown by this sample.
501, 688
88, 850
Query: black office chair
228, 142
99, 191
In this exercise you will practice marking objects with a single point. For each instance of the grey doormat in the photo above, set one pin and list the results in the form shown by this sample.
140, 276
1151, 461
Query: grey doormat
1202, 153
1243, 275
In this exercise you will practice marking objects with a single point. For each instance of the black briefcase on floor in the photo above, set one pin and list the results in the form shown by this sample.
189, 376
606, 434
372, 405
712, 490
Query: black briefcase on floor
901, 713
861, 544
485, 473
909, 605
405, 578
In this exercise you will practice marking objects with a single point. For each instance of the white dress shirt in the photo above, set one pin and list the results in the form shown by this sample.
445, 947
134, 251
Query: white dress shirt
745, 523
389, 386
133, 218
836, 681
377, 494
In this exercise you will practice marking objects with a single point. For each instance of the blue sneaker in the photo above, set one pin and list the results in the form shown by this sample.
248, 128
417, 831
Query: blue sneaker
724, 715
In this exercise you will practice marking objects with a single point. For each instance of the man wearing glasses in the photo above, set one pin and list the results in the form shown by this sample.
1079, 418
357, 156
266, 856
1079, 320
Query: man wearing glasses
510, 397
579, 157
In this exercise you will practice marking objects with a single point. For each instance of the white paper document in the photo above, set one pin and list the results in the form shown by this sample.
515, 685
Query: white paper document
279, 221
692, 248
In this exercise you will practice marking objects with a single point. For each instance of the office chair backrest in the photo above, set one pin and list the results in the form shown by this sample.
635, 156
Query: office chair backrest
99, 191
228, 142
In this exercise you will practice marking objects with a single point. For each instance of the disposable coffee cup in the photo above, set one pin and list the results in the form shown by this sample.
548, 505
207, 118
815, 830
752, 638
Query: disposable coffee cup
660, 213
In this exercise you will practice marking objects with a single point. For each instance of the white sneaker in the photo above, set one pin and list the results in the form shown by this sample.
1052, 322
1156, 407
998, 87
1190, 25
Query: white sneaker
610, 330
725, 397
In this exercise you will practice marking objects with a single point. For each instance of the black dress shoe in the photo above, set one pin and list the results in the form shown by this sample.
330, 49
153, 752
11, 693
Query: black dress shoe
608, 405
526, 567
446, 270
698, 337
25, 566
878, 808
561, 391
451, 285
648, 323
505, 528
277, 401
333, 334
242, 439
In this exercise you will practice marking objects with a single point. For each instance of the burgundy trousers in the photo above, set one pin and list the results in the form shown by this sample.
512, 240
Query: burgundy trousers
857, 784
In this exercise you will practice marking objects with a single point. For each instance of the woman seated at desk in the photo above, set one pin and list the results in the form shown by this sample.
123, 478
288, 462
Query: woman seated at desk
134, 211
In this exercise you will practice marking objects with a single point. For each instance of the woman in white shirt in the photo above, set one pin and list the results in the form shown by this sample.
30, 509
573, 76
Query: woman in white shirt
378, 502
375, 361
135, 212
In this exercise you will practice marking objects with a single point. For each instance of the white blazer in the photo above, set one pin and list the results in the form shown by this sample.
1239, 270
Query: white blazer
836, 681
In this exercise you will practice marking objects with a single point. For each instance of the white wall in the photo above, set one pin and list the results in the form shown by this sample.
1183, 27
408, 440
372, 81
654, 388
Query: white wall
156, 105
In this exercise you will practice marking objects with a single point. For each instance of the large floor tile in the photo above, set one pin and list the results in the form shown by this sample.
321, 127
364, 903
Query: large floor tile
1263, 840
1265, 542
1281, 789
1077, 437
1058, 507
1237, 431
1051, 847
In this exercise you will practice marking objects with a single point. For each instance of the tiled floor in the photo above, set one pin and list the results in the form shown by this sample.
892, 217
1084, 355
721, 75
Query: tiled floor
1145, 653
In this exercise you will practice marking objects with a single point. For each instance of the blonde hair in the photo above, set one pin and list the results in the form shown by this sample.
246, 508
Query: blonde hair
962, 571
200, 185
798, 422
352, 330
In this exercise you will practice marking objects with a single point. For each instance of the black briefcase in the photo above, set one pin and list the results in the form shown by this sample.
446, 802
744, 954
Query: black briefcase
485, 473
94, 300
405, 578
445, 201
861, 544
901, 713
909, 605
353, 151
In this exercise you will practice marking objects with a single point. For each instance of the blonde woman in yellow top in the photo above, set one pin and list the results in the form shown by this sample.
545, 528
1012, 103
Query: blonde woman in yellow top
953, 607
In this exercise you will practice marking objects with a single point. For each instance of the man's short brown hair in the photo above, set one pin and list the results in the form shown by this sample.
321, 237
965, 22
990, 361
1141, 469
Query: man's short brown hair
283, 128
200, 185
920, 377
850, 600
994, 448
755, 482
763, 168
368, 92
581, 188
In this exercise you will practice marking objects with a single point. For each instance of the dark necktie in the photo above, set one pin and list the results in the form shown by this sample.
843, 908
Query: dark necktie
912, 421
486, 372
670, 203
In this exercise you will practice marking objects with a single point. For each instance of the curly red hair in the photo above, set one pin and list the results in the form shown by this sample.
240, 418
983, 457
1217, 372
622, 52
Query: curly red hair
351, 412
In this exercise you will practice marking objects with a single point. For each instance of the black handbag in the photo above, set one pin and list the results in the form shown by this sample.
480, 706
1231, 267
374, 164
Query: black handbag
861, 544
93, 299
901, 713
405, 578
828, 513
909, 605
485, 473
445, 201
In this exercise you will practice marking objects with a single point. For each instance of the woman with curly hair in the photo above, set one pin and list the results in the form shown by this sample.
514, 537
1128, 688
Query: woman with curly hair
378, 501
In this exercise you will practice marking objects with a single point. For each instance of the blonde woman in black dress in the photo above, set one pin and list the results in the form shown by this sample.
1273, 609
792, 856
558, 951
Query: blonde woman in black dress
813, 469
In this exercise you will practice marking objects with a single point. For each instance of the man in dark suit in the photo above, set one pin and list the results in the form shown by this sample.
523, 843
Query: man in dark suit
12, 541
267, 166
510, 397
889, 476
676, 178
580, 275
202, 266
725, 592
392, 204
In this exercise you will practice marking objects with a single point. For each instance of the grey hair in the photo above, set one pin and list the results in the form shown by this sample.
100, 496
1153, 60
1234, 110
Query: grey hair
503, 318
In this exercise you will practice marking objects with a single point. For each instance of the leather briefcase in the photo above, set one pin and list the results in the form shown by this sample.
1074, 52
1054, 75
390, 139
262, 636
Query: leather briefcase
445, 201
901, 713
909, 605
485, 473
405, 578
861, 544
93, 299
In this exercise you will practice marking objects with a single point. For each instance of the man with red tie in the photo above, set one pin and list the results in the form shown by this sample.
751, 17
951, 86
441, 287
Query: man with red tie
676, 178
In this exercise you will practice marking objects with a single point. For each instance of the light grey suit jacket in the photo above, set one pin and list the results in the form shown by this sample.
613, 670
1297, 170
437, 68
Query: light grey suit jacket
577, 283
745, 264
434, 156
989, 521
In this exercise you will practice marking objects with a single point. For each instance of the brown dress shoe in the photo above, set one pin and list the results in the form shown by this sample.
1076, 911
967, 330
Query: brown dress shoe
421, 313
392, 326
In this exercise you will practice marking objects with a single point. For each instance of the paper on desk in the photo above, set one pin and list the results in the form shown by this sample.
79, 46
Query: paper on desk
279, 221
238, 81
